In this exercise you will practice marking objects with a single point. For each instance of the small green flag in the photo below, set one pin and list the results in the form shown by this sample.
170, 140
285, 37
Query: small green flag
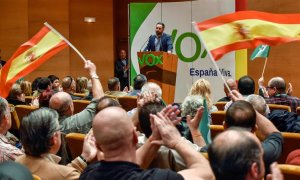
260, 51
204, 124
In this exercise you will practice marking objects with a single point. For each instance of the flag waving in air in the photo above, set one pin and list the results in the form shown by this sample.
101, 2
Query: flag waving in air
260, 51
30, 56
247, 29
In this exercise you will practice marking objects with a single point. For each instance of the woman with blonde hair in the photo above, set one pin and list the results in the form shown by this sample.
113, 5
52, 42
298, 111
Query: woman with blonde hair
26, 88
81, 85
202, 87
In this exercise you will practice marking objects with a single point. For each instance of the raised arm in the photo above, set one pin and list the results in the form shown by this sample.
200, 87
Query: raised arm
197, 165
97, 87
194, 127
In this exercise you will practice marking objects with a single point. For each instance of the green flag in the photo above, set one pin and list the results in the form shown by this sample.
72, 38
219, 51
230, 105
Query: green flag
260, 51
204, 124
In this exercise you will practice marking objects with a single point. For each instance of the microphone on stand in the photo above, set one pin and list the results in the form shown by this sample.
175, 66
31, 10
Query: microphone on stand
145, 43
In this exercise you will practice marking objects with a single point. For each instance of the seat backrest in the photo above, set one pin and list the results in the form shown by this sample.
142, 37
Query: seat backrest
24, 110
298, 111
80, 94
215, 130
291, 142
36, 177
15, 122
280, 107
128, 102
290, 172
75, 143
220, 105
218, 117
80, 105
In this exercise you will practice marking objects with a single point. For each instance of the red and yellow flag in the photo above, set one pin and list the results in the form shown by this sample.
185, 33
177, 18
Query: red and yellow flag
30, 56
248, 29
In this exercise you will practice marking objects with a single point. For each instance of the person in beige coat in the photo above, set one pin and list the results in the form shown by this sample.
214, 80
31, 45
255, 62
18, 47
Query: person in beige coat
41, 138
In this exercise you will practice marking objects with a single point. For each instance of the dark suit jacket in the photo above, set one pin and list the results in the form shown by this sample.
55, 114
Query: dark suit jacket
166, 43
119, 69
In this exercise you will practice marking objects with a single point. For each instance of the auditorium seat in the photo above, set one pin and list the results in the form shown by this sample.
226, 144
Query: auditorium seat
24, 110
80, 105
75, 143
80, 94
220, 105
128, 102
218, 117
291, 142
279, 107
290, 172
36, 177
298, 111
215, 130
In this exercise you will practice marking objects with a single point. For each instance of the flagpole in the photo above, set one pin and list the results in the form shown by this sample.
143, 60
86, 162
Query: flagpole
68, 42
262, 75
211, 57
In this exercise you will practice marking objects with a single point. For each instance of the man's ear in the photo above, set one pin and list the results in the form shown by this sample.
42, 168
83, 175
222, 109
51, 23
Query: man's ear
254, 170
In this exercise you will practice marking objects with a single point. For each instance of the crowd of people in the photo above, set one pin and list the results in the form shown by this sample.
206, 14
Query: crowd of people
151, 141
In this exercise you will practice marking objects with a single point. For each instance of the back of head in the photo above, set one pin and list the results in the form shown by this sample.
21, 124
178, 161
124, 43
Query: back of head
14, 171
232, 154
246, 85
26, 88
113, 129
202, 87
105, 102
153, 88
43, 84
81, 84
113, 84
241, 114
279, 83
3, 109
144, 116
60, 102
258, 103
52, 78
35, 83
139, 81
68, 84
15, 91
191, 104
37, 129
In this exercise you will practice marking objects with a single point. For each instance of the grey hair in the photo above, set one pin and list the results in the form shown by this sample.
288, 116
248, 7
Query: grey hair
259, 104
152, 87
190, 105
3, 108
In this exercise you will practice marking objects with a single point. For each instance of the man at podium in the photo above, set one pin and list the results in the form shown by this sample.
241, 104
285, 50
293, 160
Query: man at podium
160, 41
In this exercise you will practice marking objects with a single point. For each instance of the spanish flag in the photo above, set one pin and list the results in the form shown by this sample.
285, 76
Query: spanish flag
30, 56
247, 29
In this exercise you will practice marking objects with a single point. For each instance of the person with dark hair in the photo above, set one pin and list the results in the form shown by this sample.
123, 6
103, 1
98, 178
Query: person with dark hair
246, 86
8, 152
116, 136
63, 104
160, 41
138, 83
113, 85
41, 138
35, 84
238, 154
105, 102
277, 94
55, 83
122, 69
44, 98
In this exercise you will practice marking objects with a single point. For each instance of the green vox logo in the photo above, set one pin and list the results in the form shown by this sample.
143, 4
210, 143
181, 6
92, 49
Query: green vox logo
150, 60
178, 48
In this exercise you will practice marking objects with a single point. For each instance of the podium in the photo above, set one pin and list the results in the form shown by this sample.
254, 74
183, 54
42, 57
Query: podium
161, 68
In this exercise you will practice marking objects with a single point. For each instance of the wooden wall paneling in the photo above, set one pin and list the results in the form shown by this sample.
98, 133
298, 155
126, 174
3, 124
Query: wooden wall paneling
56, 13
283, 59
13, 26
94, 40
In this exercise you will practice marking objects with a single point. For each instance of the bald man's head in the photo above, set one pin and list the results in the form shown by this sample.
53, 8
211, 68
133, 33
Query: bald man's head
278, 83
68, 84
231, 84
62, 103
242, 149
113, 129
